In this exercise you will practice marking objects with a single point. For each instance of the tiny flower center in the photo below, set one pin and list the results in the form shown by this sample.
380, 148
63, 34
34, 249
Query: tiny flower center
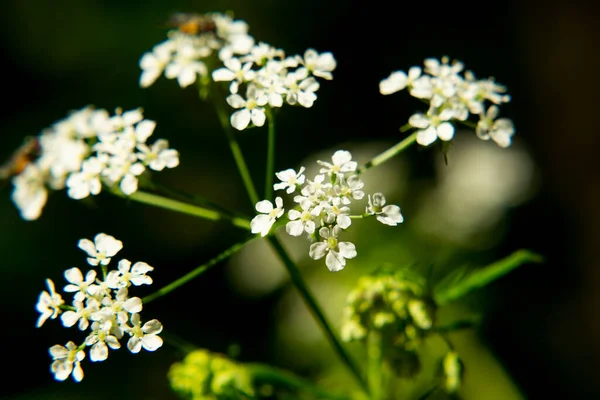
250, 104
273, 213
332, 242
305, 217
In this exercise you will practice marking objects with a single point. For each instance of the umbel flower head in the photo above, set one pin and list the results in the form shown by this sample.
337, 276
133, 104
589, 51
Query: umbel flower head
87, 151
322, 208
393, 304
206, 375
102, 307
258, 75
452, 98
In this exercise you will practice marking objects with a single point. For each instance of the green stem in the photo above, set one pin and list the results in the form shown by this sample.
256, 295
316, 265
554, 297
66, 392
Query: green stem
236, 151
375, 365
197, 271
174, 205
196, 200
457, 325
315, 309
470, 124
270, 156
266, 374
389, 153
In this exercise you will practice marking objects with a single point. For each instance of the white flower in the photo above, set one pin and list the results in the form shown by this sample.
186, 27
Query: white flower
262, 223
154, 63
342, 162
389, 215
336, 252
301, 88
99, 339
338, 215
432, 126
48, 304
123, 277
101, 250
289, 179
500, 130
159, 156
67, 361
30, 194
185, 65
235, 72
399, 80
250, 110
302, 221
317, 64
350, 188
81, 313
145, 336
77, 284
87, 181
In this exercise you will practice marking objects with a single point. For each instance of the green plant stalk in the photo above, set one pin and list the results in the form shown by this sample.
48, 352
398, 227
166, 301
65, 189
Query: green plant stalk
375, 366
262, 373
236, 152
195, 199
174, 205
197, 271
315, 309
486, 275
270, 156
389, 153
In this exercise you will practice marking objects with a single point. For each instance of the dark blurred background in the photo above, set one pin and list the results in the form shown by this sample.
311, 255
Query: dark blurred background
541, 321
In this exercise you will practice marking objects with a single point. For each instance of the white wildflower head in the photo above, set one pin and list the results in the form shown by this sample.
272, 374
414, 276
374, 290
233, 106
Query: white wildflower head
452, 96
87, 151
103, 306
334, 251
262, 223
388, 215
289, 180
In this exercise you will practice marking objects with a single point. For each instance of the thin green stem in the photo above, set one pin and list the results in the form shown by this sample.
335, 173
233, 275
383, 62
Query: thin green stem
197, 271
270, 156
266, 374
315, 309
470, 124
389, 153
236, 151
195, 199
375, 365
174, 205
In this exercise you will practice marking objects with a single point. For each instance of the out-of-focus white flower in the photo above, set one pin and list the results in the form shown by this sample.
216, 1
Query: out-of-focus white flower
336, 252
433, 125
248, 110
342, 162
499, 130
101, 339
67, 361
262, 223
234, 72
320, 65
388, 215
145, 336
125, 275
158, 156
399, 80
185, 66
48, 304
154, 63
101, 250
30, 194
87, 181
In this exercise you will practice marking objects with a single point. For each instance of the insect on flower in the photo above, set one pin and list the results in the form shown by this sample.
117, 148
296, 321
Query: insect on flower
17, 162
192, 23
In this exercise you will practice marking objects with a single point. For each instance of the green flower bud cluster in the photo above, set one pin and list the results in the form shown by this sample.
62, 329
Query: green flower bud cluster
391, 304
209, 376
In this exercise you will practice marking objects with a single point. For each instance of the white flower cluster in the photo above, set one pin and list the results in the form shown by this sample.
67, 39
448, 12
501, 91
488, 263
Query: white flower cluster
275, 79
323, 210
452, 97
261, 72
184, 55
102, 305
86, 149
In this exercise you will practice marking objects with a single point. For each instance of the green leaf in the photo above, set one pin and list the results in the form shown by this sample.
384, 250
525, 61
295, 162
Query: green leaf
447, 293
